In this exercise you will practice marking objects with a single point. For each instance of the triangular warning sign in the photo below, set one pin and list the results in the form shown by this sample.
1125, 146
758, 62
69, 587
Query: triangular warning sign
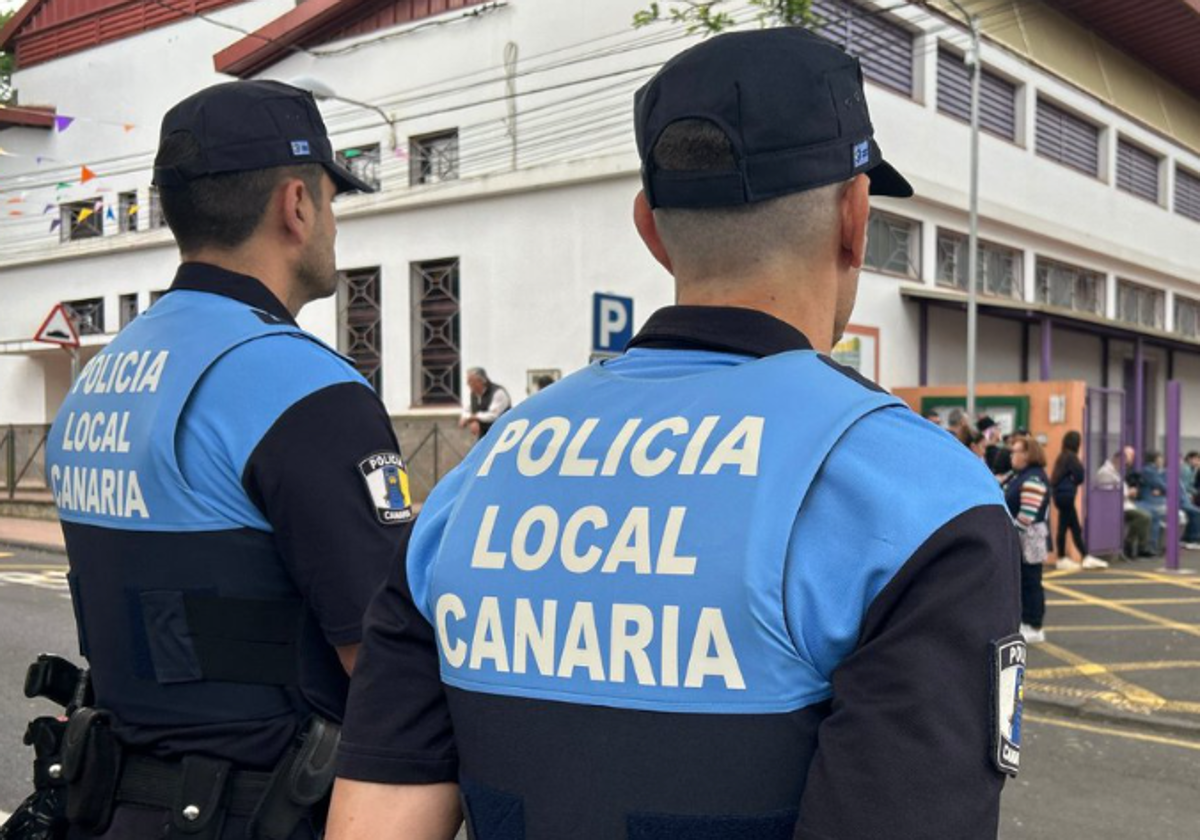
58, 328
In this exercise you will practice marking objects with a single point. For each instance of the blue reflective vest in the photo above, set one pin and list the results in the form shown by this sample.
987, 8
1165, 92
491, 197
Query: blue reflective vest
622, 541
191, 624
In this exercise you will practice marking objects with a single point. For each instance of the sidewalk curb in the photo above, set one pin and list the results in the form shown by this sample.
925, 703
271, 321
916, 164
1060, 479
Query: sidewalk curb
1103, 713
29, 545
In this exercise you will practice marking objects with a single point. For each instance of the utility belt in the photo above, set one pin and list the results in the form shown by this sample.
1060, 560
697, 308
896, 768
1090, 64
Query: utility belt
82, 773
199, 792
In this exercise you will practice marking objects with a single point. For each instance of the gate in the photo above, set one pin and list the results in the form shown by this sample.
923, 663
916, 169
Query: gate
1104, 502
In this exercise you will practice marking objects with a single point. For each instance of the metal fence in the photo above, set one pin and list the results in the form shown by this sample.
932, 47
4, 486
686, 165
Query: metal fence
431, 448
23, 459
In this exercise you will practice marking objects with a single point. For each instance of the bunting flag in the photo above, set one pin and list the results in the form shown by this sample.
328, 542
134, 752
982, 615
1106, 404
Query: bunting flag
85, 174
15, 213
350, 154
63, 185
61, 124
55, 224
133, 210
110, 215
129, 127
16, 199
84, 215
48, 208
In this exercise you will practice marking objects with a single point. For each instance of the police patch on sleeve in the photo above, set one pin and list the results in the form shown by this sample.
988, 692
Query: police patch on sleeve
387, 485
1008, 695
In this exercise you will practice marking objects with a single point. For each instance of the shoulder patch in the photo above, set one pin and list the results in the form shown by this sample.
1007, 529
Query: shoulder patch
1008, 695
387, 487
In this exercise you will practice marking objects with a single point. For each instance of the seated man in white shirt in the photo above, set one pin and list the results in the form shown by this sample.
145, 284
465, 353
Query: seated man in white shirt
488, 401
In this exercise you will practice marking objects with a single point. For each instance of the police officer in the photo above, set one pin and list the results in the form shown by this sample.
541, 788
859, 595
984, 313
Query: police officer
720, 586
231, 492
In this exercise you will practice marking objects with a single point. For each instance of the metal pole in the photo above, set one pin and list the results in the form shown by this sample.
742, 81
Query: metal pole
74, 351
973, 238
1173, 402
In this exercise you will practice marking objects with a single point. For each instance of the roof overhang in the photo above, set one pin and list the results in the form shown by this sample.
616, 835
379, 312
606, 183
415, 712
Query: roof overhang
1019, 310
22, 116
272, 42
10, 29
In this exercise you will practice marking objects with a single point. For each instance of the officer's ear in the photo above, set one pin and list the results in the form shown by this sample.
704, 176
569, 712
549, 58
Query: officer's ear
643, 220
299, 208
855, 211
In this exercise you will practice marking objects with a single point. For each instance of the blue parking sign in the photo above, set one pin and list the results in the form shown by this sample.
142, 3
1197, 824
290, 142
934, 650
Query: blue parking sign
612, 323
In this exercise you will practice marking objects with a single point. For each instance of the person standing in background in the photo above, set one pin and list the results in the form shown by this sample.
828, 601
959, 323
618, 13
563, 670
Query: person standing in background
1027, 495
1065, 480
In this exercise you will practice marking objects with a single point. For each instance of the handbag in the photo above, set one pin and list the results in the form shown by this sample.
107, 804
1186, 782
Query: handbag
1034, 539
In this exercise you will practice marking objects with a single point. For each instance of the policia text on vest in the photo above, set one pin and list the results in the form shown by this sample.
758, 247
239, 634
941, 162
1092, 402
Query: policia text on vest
520, 634
113, 492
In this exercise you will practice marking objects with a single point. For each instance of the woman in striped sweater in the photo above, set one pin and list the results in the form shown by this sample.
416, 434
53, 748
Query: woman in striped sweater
1027, 494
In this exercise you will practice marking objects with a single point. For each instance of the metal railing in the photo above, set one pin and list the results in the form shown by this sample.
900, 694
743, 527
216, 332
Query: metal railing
23, 454
435, 454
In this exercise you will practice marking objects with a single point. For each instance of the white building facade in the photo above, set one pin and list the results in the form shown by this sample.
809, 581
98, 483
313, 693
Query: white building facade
501, 137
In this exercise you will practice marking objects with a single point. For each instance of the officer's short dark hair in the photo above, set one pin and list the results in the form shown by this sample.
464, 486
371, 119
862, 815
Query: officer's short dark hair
222, 211
726, 237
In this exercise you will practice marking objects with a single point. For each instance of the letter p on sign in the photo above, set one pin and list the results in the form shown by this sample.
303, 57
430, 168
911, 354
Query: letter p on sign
612, 323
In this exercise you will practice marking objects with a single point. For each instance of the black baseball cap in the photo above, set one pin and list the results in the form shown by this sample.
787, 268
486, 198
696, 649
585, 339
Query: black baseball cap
242, 126
791, 104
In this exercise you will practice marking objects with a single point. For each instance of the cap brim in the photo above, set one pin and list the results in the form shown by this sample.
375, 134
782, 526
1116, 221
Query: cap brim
885, 180
345, 180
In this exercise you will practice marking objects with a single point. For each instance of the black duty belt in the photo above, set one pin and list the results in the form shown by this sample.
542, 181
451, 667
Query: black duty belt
153, 783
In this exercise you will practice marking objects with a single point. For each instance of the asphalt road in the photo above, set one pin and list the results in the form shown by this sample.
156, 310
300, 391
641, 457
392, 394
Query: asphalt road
1081, 779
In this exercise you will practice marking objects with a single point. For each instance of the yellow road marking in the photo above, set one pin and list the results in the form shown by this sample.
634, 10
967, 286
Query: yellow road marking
1077, 670
1131, 628
1076, 580
4, 554
1096, 672
1116, 733
1144, 602
34, 567
1191, 629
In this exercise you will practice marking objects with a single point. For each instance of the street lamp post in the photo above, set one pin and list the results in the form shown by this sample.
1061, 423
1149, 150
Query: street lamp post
324, 92
974, 61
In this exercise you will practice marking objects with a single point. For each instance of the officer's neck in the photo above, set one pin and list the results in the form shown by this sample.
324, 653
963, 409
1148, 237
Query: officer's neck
256, 263
808, 305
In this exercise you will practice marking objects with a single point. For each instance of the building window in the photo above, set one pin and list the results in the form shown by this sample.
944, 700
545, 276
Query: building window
1065, 138
129, 309
437, 333
1070, 287
433, 158
1137, 171
1187, 194
156, 296
893, 245
81, 220
127, 211
363, 162
882, 46
87, 314
997, 97
999, 267
1141, 305
157, 219
360, 322
1187, 317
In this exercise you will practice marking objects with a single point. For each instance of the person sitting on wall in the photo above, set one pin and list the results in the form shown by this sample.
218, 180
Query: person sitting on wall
488, 401
1136, 541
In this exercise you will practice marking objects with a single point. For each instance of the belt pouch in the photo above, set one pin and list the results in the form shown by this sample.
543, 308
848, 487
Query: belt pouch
92, 769
200, 800
299, 784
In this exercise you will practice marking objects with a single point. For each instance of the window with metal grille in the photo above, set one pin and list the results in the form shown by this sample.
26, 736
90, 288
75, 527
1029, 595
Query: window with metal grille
81, 220
362, 161
997, 96
129, 308
999, 267
157, 219
1141, 305
1187, 194
1187, 317
893, 245
1065, 138
127, 211
88, 315
437, 333
883, 47
433, 157
1070, 287
360, 321
1137, 171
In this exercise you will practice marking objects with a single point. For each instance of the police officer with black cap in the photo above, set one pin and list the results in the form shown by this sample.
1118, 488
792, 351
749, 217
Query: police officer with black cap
719, 587
232, 493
